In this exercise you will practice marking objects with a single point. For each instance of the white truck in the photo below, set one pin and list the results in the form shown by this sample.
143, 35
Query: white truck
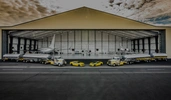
58, 61
116, 61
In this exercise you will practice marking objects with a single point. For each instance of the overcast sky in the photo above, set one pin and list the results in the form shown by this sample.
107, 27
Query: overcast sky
156, 12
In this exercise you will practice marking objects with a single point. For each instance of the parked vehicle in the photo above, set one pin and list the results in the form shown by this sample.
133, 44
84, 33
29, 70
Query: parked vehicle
59, 61
96, 63
35, 57
116, 61
16, 57
159, 56
77, 63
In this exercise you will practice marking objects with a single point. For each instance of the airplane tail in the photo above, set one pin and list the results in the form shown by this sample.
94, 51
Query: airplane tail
52, 45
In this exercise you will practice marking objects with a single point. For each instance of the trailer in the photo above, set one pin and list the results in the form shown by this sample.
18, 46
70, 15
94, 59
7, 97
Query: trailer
36, 57
129, 59
159, 56
16, 57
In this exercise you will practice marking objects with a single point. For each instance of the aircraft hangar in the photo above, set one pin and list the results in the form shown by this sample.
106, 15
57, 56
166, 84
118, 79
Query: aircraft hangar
85, 29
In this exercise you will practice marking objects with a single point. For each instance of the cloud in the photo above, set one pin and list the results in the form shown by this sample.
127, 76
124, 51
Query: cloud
18, 11
141, 10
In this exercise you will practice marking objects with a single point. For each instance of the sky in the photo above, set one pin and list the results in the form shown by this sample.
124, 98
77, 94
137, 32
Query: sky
155, 12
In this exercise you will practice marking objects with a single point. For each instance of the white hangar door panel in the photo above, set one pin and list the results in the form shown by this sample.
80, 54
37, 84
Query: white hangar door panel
27, 45
58, 43
111, 43
140, 45
129, 45
71, 42
118, 43
124, 43
63, 43
40, 44
153, 45
92, 41
136, 46
85, 40
45, 43
14, 45
78, 41
98, 43
22, 46
105, 42
146, 45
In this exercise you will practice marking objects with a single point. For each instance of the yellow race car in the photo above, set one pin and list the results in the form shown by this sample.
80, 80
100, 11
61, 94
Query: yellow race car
96, 63
77, 63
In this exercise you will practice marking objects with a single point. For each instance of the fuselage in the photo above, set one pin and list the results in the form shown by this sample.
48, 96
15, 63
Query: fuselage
46, 50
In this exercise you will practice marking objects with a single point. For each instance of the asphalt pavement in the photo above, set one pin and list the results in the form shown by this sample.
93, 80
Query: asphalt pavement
33, 81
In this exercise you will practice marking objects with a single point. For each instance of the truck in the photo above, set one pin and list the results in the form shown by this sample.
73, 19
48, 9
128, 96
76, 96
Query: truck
115, 61
16, 57
58, 61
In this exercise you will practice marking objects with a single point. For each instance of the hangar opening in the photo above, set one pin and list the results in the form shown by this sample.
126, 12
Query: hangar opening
79, 41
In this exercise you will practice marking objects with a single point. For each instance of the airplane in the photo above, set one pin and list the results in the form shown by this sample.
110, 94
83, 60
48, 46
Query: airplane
50, 49
35, 57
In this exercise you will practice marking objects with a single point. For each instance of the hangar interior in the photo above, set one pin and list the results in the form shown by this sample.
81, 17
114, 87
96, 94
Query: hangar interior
77, 41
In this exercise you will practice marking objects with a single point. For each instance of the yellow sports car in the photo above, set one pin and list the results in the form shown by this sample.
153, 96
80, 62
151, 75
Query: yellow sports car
77, 63
96, 63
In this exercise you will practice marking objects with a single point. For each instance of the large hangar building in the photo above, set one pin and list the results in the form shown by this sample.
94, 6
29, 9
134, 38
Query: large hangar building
85, 29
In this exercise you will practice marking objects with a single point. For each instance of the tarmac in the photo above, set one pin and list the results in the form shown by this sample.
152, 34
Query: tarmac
34, 81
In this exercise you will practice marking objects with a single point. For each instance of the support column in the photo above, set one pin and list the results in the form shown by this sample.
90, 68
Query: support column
60, 43
18, 46
25, 45
30, 45
95, 41
4, 42
138, 44
143, 45
37, 45
67, 42
163, 41
108, 43
47, 42
81, 41
102, 42
88, 40
134, 45
115, 43
10, 45
149, 45
157, 46
74, 40
34, 44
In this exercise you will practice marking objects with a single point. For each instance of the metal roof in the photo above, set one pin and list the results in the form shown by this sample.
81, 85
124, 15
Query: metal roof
40, 34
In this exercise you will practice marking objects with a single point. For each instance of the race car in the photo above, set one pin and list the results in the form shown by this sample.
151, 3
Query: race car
96, 63
77, 63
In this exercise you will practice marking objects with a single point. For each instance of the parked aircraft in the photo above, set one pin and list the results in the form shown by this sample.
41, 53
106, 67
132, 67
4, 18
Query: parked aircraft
50, 49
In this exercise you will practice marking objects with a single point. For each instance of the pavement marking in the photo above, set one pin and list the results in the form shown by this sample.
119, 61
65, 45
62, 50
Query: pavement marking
107, 69
87, 67
60, 69
85, 73
12, 69
155, 69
